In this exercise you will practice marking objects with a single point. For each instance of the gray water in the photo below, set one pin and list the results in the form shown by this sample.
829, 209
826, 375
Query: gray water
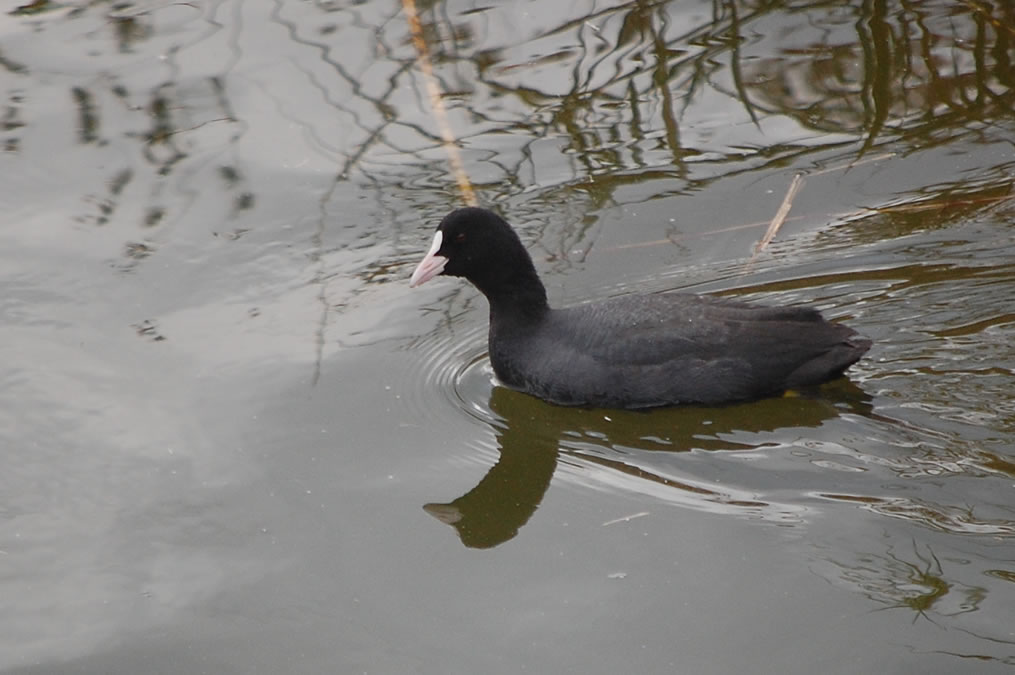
235, 441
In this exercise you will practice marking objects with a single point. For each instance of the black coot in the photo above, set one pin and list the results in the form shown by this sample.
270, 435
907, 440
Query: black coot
636, 351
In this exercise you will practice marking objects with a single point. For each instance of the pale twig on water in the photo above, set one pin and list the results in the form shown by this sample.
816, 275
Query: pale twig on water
626, 519
780, 215
437, 103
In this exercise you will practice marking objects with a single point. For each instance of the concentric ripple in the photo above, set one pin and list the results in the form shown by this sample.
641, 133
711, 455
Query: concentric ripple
450, 375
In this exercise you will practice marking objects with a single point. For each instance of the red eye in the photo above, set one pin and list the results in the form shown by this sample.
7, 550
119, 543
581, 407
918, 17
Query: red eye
460, 238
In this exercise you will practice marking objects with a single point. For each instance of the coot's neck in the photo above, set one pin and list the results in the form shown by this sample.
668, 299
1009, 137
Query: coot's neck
517, 293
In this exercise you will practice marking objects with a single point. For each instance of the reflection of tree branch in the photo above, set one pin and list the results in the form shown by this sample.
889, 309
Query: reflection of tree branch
374, 136
437, 103
919, 77
735, 70
921, 586
877, 63
917, 583
585, 115
661, 78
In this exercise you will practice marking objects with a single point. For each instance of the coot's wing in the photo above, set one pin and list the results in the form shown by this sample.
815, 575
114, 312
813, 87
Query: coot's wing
652, 329
656, 350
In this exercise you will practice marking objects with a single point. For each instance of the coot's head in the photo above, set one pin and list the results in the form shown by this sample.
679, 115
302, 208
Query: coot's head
479, 245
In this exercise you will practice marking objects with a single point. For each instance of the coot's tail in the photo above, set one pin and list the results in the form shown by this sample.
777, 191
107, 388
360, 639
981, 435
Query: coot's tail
832, 363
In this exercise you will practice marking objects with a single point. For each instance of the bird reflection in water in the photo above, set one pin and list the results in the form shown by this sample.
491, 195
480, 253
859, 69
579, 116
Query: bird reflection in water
533, 436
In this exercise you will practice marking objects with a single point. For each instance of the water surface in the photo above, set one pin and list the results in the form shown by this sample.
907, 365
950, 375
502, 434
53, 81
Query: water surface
235, 440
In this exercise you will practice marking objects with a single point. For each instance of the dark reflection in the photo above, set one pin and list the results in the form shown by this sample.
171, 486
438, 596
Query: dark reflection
88, 121
532, 435
880, 71
501, 503
129, 30
908, 68
35, 7
914, 580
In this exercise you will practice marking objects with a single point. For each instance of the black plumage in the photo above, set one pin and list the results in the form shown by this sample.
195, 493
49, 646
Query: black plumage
636, 351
